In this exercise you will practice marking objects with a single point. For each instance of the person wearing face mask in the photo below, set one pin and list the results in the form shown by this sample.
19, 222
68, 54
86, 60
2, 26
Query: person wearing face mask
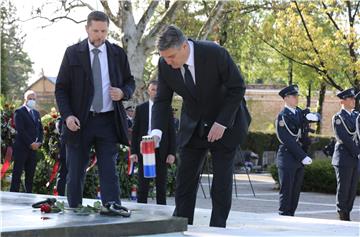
93, 81
28, 140
291, 156
346, 153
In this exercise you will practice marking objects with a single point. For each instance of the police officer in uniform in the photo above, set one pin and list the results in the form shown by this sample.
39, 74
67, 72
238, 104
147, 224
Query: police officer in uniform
291, 157
346, 154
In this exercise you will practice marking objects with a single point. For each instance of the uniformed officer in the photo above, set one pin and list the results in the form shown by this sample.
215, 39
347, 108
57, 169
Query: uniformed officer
291, 157
346, 154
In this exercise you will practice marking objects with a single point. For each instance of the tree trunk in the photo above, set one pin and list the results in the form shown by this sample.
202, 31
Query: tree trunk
308, 97
290, 72
320, 104
137, 60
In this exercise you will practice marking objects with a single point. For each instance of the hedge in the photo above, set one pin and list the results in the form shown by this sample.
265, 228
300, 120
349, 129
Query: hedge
318, 177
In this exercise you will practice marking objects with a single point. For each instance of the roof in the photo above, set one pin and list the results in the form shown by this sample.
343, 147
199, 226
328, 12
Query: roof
50, 79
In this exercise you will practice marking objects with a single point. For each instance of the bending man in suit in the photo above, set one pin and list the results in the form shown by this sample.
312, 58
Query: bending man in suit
28, 140
93, 80
213, 116
165, 154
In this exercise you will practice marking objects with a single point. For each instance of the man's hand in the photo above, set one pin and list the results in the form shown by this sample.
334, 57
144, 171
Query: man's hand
116, 94
216, 132
170, 159
72, 123
306, 161
35, 145
134, 158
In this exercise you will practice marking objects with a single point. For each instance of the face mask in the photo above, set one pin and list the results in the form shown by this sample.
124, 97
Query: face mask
31, 104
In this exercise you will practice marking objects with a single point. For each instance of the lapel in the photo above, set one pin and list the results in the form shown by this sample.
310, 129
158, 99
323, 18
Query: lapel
292, 117
348, 119
200, 68
112, 56
84, 56
146, 116
29, 115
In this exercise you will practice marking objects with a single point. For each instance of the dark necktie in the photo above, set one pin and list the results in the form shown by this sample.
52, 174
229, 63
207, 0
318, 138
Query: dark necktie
189, 81
32, 115
96, 71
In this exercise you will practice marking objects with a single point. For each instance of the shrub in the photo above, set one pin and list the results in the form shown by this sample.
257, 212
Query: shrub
318, 177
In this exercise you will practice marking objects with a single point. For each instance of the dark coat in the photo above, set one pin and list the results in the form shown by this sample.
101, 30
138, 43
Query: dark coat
74, 89
220, 95
27, 129
290, 153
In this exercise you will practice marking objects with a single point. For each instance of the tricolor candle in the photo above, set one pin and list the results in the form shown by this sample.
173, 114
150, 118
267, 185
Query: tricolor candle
148, 153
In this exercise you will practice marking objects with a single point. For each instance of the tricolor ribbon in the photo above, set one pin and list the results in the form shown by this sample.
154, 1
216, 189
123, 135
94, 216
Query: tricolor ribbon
54, 171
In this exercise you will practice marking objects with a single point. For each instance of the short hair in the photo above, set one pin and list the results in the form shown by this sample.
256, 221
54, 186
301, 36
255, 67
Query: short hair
153, 82
170, 37
29, 92
97, 16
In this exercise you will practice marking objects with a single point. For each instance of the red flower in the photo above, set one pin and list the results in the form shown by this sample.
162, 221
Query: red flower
45, 208
54, 115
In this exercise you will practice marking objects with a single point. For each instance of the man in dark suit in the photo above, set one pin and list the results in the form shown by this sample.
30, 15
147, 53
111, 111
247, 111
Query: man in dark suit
93, 80
213, 116
28, 139
165, 154
291, 156
346, 154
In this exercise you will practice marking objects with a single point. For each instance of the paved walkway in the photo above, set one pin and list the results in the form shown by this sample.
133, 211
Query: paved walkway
313, 205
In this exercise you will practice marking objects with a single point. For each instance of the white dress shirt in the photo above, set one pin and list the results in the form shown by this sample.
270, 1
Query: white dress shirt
150, 113
107, 101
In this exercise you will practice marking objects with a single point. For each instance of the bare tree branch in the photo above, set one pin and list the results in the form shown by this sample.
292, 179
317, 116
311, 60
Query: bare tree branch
108, 12
168, 16
322, 72
212, 18
146, 17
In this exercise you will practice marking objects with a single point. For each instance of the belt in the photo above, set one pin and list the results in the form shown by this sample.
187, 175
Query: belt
94, 114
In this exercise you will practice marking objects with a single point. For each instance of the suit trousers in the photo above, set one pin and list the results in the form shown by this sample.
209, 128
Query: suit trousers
161, 178
191, 160
99, 132
61, 179
290, 180
347, 181
24, 159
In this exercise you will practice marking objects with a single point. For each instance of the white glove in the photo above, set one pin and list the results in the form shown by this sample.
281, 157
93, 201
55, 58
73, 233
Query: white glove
313, 117
306, 161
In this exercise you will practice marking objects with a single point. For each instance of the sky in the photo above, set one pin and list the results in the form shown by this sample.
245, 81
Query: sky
46, 46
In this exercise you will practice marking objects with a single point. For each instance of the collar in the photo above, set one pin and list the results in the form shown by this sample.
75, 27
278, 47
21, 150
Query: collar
102, 47
151, 102
347, 111
190, 60
293, 110
28, 108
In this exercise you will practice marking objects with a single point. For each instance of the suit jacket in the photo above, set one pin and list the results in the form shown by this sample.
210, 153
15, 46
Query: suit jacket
27, 129
290, 153
74, 88
141, 127
220, 96
346, 148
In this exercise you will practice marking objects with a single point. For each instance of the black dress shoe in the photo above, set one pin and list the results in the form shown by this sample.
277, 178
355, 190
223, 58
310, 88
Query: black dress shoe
344, 216
114, 209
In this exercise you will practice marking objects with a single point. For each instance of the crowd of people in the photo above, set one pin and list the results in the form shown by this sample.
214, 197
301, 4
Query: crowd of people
95, 79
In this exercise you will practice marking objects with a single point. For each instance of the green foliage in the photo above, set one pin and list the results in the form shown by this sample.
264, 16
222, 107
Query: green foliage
15, 63
318, 177
259, 142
